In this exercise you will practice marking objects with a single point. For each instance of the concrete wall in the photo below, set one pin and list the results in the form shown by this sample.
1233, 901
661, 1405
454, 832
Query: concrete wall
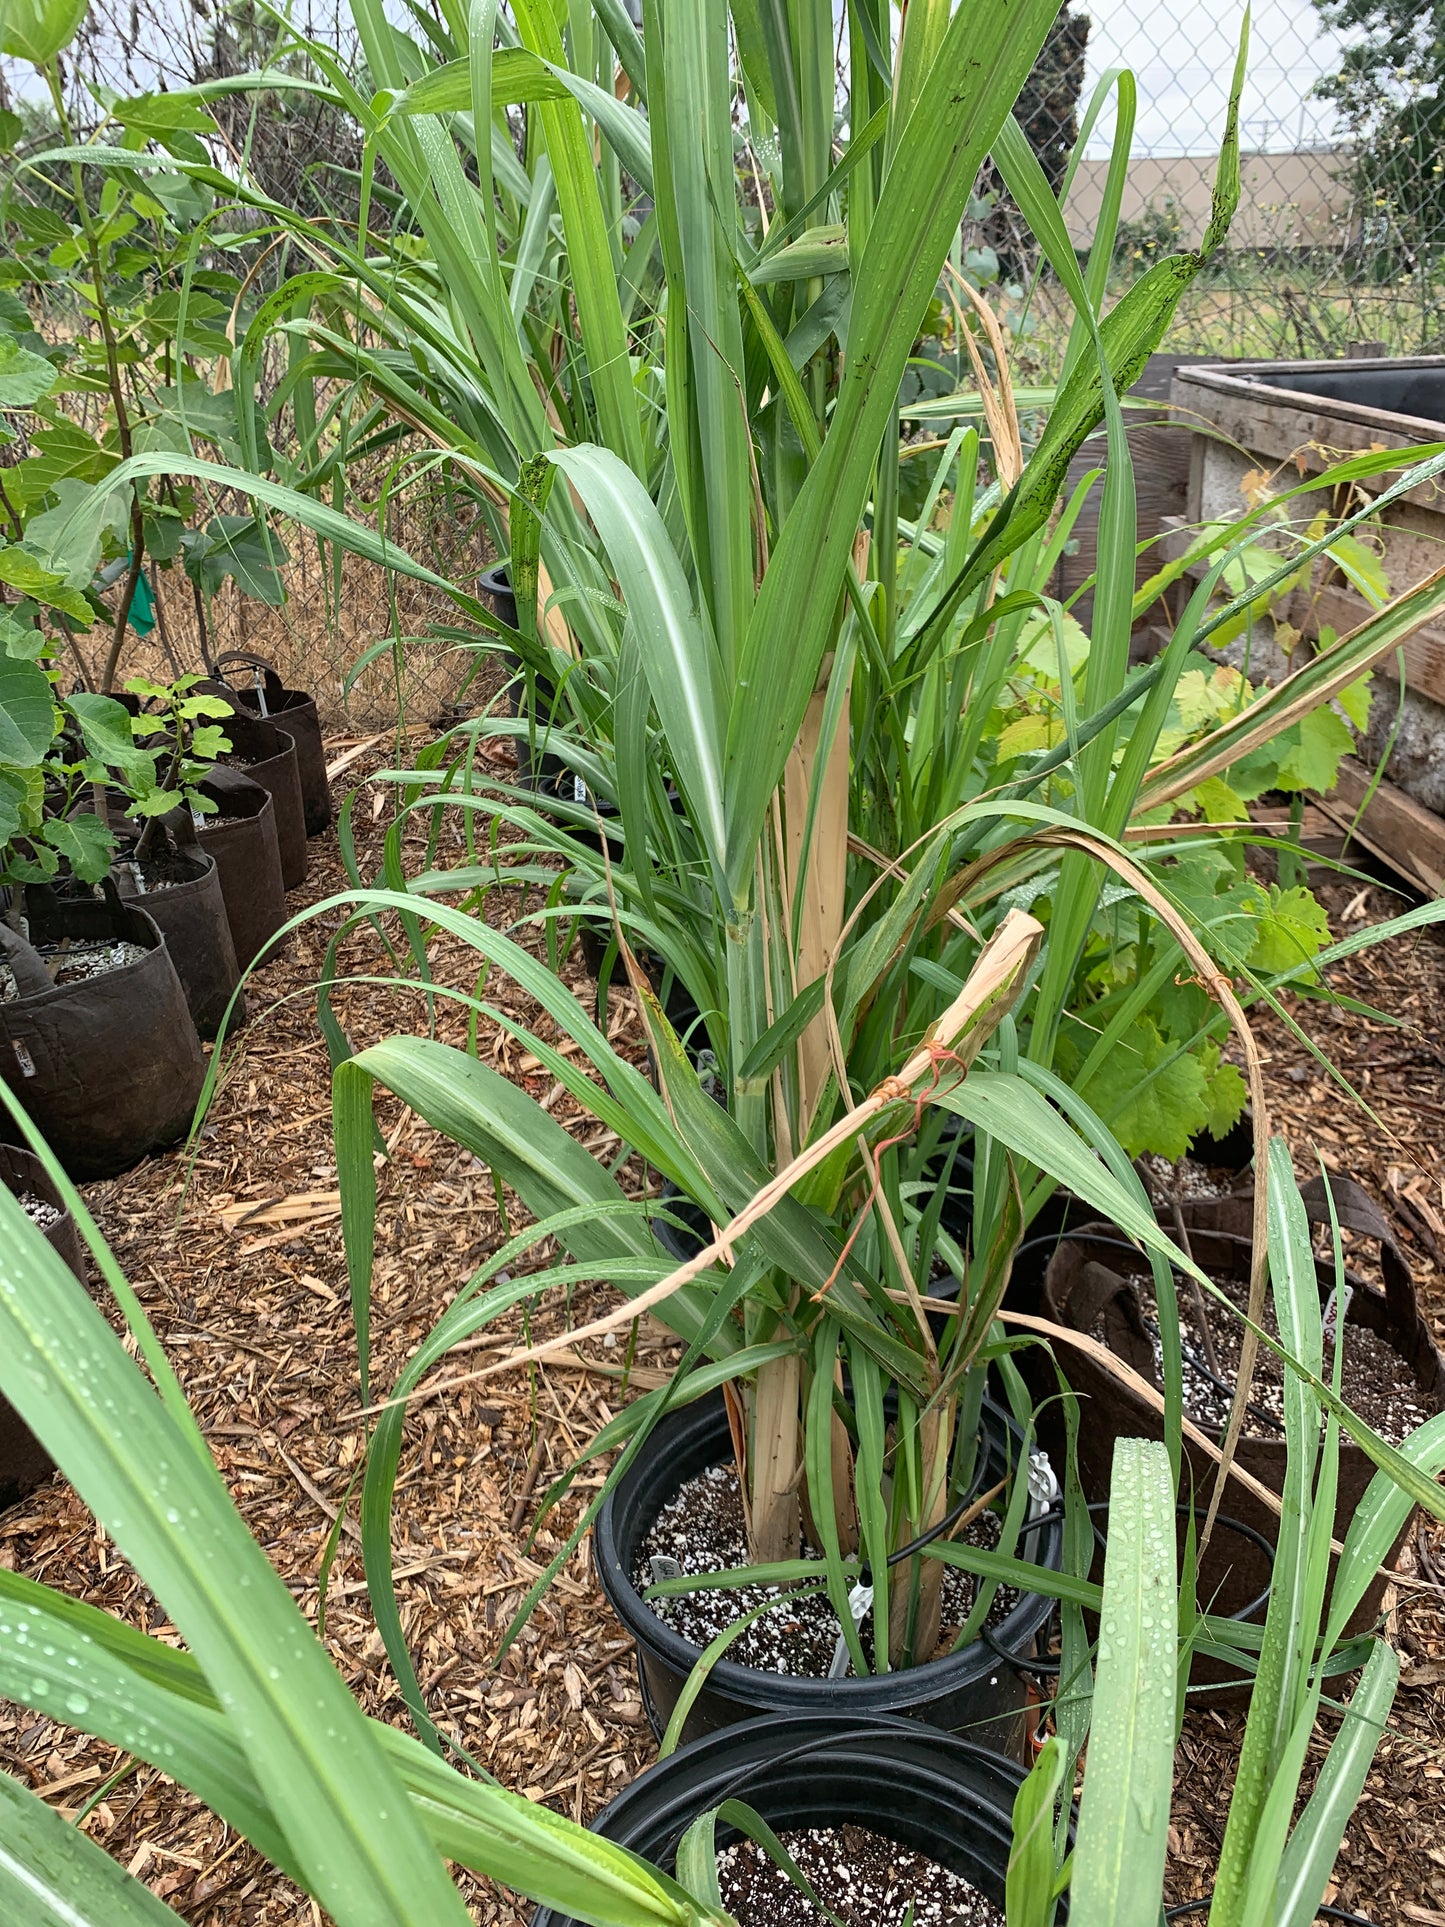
1290, 200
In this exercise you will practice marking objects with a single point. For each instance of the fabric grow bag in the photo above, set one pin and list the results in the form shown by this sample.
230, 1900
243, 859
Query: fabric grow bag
295, 711
243, 846
109, 1068
1083, 1287
24, 1461
190, 914
269, 756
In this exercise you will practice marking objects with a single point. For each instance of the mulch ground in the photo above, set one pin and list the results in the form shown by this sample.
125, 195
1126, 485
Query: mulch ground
1392, 1867
242, 1273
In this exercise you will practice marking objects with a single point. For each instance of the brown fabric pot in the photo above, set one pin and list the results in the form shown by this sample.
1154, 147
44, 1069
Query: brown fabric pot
246, 858
24, 1461
295, 711
110, 1068
191, 915
1082, 1284
269, 755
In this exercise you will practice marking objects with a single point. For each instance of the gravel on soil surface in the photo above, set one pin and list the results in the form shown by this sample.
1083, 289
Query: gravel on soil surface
863, 1877
702, 1528
74, 963
40, 1211
150, 875
1187, 1179
1376, 1382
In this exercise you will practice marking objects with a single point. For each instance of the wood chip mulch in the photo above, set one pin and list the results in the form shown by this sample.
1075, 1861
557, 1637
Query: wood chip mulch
1391, 1870
242, 1273
244, 1278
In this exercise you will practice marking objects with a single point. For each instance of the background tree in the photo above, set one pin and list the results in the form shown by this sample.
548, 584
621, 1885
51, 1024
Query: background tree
1390, 90
1048, 112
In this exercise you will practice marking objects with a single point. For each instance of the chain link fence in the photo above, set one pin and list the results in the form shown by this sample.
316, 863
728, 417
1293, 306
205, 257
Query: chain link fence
1339, 240
1336, 247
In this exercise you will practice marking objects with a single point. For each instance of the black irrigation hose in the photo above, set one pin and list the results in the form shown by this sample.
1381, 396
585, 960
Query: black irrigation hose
946, 1524
1324, 1911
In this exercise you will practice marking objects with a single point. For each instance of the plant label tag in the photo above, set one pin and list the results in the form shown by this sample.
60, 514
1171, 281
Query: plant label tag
664, 1568
580, 792
23, 1058
860, 1604
197, 818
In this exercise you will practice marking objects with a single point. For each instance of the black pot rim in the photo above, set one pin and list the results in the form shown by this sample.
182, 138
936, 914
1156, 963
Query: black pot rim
812, 1736
36, 1178
877, 1696
976, 1785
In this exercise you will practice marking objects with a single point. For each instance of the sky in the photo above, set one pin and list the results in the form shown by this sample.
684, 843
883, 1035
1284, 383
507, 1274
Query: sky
1182, 55
1181, 52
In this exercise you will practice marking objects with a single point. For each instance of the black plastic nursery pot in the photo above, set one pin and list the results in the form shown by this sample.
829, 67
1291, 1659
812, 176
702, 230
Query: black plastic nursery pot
927, 1790
24, 1461
109, 1068
977, 1689
190, 913
242, 842
295, 711
268, 756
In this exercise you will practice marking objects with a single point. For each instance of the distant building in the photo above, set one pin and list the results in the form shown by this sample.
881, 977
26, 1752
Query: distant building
1302, 199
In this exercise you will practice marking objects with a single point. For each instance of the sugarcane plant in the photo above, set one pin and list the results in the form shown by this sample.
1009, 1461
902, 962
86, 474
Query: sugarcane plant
686, 432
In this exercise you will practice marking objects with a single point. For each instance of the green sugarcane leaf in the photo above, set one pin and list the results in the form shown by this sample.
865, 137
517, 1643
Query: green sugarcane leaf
980, 66
1315, 1842
163, 1502
1009, 1109
822, 250
590, 267
1123, 1837
684, 673
153, 1701
1030, 1881
1297, 695
53, 1875
1126, 337
519, 75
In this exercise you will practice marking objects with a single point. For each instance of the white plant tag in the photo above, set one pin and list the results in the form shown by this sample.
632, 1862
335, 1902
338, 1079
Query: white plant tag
1332, 1310
197, 818
23, 1058
860, 1604
579, 791
664, 1568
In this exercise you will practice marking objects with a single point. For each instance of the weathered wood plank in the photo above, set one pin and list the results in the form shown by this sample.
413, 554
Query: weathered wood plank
1410, 838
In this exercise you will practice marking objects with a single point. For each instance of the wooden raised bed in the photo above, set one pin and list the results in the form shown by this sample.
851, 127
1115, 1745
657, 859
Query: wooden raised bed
1294, 418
